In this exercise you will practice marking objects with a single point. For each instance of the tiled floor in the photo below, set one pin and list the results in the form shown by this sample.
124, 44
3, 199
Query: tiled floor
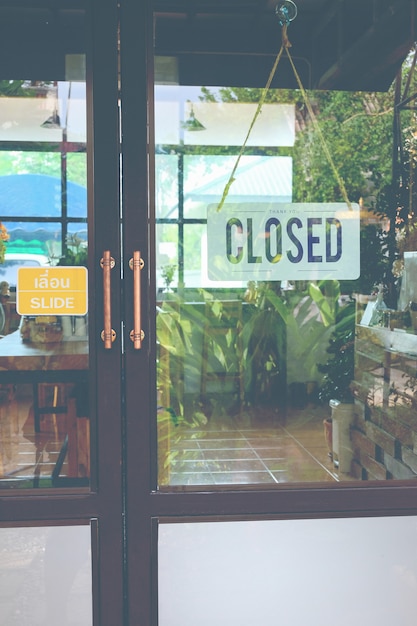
253, 447
251, 450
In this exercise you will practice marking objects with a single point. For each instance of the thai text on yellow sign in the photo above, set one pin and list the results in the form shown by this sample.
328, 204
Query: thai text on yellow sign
51, 291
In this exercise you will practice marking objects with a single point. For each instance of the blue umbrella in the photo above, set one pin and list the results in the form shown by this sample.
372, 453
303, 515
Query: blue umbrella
37, 195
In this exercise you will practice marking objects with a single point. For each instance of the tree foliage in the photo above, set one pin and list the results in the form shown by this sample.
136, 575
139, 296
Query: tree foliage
357, 128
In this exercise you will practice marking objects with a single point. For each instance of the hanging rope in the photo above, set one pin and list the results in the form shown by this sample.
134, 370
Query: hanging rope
255, 117
286, 44
316, 125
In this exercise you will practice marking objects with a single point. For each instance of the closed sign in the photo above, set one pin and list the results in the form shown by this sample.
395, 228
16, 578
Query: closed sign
288, 241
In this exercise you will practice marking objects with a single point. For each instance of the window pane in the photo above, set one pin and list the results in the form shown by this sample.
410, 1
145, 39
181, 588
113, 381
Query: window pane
166, 170
217, 561
167, 256
46, 575
258, 179
287, 347
44, 396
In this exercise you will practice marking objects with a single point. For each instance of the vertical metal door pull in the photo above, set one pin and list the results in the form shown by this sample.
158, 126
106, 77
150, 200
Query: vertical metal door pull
136, 335
108, 335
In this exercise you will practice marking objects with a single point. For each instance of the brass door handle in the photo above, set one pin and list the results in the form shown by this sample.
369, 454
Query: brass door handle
108, 335
136, 335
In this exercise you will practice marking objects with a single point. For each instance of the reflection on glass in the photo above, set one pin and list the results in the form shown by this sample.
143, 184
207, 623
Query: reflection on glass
282, 376
258, 179
167, 257
167, 185
44, 412
44, 428
46, 576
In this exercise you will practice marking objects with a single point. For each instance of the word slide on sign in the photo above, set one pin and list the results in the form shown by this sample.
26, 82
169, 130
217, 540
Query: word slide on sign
268, 241
51, 291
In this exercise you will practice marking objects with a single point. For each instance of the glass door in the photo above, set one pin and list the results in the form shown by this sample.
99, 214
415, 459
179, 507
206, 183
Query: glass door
210, 394
268, 351
261, 388
60, 352
44, 349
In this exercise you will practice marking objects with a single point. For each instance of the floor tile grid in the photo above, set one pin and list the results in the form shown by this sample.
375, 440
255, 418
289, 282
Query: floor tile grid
293, 451
245, 466
212, 458
329, 469
247, 456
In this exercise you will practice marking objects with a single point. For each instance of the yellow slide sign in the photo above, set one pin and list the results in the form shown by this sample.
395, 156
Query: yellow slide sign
51, 291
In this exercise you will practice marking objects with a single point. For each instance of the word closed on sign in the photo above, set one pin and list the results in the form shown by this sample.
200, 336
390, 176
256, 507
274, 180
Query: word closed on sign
283, 241
51, 291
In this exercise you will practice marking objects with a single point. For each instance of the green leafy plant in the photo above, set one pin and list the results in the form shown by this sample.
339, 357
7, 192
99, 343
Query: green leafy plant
374, 261
264, 344
4, 237
279, 333
168, 273
76, 252
339, 369
309, 327
285, 336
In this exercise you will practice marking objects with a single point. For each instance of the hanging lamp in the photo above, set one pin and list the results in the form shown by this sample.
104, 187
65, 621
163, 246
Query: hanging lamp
53, 121
192, 124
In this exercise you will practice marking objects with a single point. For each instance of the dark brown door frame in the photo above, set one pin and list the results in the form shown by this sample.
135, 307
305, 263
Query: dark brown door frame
146, 507
124, 501
100, 506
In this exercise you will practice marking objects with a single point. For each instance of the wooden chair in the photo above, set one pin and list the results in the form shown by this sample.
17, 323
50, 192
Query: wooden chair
9, 425
75, 448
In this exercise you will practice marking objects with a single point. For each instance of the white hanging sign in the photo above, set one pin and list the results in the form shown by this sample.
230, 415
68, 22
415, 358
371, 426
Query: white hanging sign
289, 241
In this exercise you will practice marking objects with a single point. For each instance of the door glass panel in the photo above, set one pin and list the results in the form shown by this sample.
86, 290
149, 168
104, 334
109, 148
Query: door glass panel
46, 575
44, 412
287, 347
227, 567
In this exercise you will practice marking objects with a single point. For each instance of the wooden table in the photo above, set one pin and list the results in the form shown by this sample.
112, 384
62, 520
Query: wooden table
33, 362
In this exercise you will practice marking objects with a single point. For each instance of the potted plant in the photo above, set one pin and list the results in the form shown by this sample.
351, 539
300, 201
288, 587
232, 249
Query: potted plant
168, 273
76, 252
336, 387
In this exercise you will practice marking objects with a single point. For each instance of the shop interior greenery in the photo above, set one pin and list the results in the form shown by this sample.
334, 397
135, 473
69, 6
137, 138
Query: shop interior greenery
76, 251
275, 321
167, 274
296, 321
374, 261
4, 237
299, 320
338, 371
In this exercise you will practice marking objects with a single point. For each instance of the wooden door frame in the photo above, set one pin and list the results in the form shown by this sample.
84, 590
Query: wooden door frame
101, 505
146, 506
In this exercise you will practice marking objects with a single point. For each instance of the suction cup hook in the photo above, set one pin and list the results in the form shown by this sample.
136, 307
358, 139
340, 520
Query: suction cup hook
286, 11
